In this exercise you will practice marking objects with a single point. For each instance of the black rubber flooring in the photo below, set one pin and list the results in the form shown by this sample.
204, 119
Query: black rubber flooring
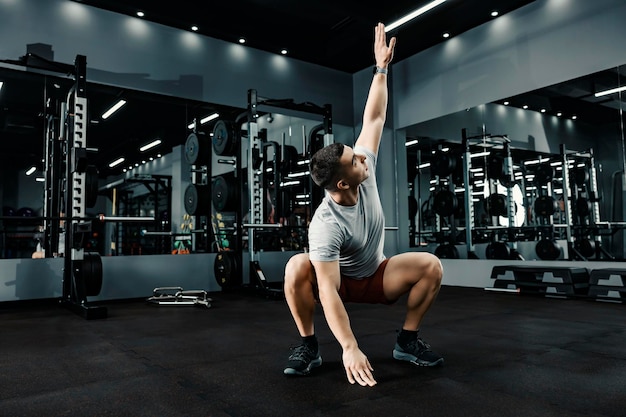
506, 355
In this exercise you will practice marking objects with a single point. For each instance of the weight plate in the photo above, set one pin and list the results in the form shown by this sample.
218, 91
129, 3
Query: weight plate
197, 149
447, 251
224, 194
91, 273
445, 203
495, 205
498, 250
226, 270
545, 206
197, 199
225, 140
548, 250
544, 174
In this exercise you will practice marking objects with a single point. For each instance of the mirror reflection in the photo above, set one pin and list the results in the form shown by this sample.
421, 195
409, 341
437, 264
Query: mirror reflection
535, 176
160, 172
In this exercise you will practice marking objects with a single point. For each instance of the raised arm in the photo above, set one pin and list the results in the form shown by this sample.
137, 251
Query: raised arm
375, 111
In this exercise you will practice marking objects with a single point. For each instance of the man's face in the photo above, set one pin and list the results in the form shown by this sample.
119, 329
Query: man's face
354, 168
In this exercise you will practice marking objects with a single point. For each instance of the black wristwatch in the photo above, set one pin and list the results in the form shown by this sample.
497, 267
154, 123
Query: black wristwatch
379, 70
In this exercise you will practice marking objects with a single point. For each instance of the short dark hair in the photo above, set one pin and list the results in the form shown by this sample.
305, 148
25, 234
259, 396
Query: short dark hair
325, 166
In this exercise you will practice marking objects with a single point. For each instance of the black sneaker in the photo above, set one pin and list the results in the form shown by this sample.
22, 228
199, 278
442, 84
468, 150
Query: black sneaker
302, 360
418, 353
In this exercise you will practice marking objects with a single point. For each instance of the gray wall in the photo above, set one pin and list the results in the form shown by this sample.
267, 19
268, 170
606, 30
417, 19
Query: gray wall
541, 44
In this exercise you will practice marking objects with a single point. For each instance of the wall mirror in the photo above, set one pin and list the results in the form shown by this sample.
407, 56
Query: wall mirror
535, 176
136, 152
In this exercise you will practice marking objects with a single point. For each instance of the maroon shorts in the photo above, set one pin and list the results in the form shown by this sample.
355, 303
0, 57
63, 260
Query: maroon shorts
367, 290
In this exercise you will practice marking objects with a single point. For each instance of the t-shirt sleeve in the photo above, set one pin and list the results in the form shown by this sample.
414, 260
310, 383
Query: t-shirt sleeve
324, 240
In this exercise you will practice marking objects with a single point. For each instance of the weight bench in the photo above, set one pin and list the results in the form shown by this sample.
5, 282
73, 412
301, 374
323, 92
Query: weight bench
176, 296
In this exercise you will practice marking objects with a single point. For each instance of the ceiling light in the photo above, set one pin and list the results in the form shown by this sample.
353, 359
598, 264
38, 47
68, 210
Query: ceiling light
204, 120
31, 170
494, 13
611, 91
525, 106
194, 28
1, 83
116, 162
40, 179
413, 15
446, 34
140, 13
574, 117
559, 114
543, 110
150, 145
113, 109
411, 142
242, 40
506, 103
284, 52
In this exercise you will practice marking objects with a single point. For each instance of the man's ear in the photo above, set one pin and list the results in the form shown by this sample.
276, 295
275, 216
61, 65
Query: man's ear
342, 185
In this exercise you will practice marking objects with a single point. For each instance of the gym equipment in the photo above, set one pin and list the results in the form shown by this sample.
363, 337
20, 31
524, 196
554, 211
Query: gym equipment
447, 251
443, 163
176, 296
544, 174
548, 249
445, 203
197, 149
608, 284
225, 193
90, 272
498, 250
562, 282
82, 272
496, 205
545, 206
197, 199
226, 270
225, 138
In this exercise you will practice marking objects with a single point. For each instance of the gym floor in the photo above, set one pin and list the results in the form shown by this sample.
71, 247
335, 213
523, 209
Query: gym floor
506, 355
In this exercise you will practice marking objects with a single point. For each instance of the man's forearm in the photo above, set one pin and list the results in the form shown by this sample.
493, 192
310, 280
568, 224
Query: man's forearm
376, 105
338, 320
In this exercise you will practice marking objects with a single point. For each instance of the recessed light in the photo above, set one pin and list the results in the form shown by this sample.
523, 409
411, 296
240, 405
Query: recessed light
194, 28
543, 110
506, 103
525, 106
140, 13
242, 40
574, 117
494, 13
559, 114
446, 34
284, 52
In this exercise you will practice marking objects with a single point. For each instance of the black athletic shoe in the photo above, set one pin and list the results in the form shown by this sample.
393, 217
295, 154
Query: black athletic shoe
418, 353
302, 360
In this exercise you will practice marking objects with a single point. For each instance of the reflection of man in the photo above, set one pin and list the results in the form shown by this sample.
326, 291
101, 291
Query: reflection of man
345, 262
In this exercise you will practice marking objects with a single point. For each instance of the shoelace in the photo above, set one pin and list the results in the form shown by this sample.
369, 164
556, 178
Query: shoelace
421, 346
301, 353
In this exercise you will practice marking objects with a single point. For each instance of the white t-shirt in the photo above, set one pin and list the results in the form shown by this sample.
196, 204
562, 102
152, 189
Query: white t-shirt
354, 235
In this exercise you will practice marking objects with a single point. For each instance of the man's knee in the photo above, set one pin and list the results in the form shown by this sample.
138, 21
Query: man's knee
433, 270
298, 269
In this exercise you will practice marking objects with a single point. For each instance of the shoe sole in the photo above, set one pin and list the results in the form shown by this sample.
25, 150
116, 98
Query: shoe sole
401, 356
314, 364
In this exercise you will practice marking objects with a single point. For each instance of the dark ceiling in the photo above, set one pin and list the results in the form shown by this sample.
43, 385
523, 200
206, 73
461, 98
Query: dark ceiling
332, 33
